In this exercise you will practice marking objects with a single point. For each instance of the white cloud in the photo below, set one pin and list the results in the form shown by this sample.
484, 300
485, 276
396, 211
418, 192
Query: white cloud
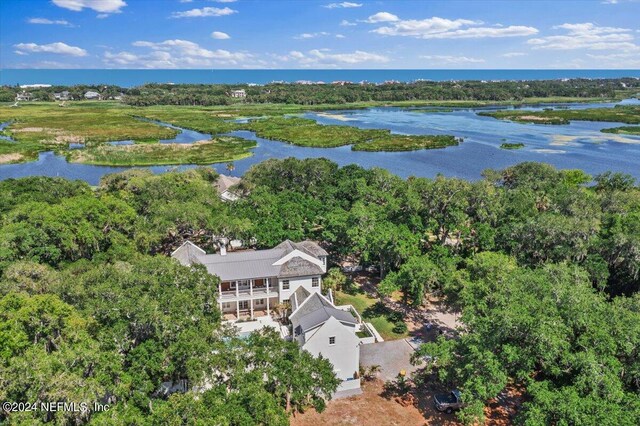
344, 5
513, 54
326, 58
219, 35
224, 1
382, 17
102, 15
345, 23
442, 28
186, 1
45, 21
204, 12
177, 54
587, 36
340, 36
305, 36
617, 60
102, 6
447, 60
57, 48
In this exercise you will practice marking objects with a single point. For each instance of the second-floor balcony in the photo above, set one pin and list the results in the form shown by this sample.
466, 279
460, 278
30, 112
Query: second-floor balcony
248, 289
248, 293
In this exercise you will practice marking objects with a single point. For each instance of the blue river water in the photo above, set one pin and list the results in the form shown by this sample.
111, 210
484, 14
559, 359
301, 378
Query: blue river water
130, 78
578, 145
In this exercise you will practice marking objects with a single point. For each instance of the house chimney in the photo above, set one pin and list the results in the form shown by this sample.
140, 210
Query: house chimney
223, 250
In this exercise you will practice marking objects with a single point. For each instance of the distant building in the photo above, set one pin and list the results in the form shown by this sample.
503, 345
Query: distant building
62, 96
93, 95
238, 93
340, 82
23, 96
224, 184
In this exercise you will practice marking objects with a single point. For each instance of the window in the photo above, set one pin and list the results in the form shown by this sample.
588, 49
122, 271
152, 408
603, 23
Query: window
260, 302
324, 260
332, 340
232, 285
315, 282
285, 284
244, 304
226, 305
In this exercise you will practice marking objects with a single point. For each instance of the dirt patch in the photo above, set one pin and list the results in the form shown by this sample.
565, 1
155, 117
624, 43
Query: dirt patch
63, 139
34, 129
532, 118
501, 410
374, 408
10, 158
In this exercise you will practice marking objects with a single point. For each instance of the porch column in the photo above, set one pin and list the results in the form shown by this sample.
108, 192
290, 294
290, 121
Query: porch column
237, 289
220, 290
251, 308
237, 309
251, 287
267, 279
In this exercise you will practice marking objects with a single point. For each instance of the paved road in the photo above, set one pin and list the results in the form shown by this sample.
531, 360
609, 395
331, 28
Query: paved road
392, 356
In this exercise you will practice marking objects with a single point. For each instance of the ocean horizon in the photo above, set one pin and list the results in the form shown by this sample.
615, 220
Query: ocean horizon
136, 77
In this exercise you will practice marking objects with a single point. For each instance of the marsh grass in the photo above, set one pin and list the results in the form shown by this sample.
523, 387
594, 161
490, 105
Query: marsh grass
306, 132
624, 130
507, 145
621, 114
218, 150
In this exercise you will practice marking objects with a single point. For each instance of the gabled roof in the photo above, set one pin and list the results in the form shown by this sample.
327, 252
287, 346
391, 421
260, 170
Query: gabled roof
225, 182
306, 246
298, 297
299, 267
188, 253
315, 311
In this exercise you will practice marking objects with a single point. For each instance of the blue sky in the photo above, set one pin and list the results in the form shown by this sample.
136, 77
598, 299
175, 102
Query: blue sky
319, 34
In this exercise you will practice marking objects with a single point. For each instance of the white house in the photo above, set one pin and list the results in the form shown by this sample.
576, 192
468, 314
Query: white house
238, 93
253, 282
223, 186
23, 96
62, 96
92, 95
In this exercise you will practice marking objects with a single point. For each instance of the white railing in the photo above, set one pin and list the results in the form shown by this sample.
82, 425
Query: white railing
247, 293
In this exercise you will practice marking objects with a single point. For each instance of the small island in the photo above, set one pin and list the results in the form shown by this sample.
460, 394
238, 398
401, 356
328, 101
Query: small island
512, 146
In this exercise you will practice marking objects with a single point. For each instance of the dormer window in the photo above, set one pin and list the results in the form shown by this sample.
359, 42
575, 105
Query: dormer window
315, 282
285, 284
332, 340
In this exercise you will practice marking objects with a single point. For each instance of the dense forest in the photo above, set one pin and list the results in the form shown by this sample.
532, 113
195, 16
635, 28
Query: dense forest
543, 264
344, 92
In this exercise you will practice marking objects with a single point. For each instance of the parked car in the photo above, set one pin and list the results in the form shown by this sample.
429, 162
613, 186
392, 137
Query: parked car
448, 402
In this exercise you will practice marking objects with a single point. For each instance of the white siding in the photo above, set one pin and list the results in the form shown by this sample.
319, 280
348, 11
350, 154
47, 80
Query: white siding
295, 283
344, 354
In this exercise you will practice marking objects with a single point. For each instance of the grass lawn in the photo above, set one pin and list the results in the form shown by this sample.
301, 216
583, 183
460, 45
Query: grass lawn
371, 311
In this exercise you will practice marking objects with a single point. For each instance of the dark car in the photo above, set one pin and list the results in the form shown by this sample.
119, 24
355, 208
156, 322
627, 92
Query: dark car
448, 402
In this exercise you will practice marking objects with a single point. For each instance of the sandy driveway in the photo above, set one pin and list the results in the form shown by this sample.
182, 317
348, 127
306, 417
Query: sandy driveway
392, 356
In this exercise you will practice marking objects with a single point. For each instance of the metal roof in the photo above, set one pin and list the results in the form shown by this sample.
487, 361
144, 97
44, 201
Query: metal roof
250, 264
